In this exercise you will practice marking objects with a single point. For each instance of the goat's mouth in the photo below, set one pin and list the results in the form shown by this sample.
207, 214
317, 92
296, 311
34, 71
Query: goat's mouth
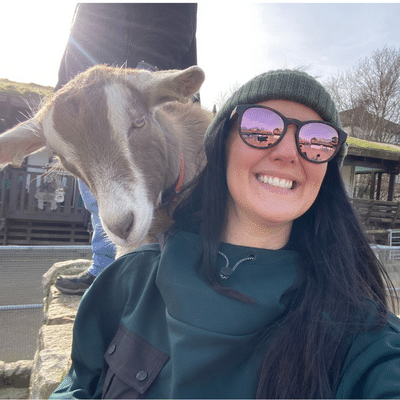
127, 227
277, 182
128, 233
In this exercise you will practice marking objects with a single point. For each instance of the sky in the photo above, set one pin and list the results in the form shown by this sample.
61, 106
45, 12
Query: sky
236, 40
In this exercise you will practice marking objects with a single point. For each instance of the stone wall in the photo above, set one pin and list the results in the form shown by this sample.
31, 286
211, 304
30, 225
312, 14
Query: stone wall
52, 357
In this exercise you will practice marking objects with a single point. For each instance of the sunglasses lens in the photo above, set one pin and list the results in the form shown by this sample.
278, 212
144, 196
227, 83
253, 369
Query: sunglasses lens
261, 127
318, 142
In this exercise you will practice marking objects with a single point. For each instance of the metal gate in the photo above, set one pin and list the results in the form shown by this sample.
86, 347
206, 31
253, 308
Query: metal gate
394, 242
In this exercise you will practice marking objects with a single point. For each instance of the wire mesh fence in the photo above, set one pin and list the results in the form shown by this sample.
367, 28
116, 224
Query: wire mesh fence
21, 295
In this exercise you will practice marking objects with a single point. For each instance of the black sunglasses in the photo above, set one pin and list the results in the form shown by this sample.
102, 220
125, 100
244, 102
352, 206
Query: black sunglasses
263, 127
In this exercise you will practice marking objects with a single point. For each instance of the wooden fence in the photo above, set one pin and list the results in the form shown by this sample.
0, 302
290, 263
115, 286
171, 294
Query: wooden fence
376, 214
46, 208
42, 208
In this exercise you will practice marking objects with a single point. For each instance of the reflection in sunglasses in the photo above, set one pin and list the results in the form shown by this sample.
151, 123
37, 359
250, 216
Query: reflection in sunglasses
263, 127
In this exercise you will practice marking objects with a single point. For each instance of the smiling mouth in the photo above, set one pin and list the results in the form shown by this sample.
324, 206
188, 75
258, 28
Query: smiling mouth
275, 181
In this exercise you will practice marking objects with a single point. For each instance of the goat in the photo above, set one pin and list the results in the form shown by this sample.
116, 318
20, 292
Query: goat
127, 134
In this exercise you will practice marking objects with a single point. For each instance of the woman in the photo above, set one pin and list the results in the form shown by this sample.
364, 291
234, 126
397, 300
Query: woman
265, 286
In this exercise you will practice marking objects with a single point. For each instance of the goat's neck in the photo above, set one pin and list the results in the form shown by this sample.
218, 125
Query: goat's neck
174, 154
175, 170
171, 192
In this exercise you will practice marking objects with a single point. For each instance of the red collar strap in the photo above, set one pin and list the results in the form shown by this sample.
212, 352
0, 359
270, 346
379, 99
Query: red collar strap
171, 193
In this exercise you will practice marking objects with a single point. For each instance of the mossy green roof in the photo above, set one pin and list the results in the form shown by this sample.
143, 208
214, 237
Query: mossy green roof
360, 147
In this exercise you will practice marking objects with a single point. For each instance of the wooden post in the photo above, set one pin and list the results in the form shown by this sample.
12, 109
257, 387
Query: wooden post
378, 186
372, 188
391, 186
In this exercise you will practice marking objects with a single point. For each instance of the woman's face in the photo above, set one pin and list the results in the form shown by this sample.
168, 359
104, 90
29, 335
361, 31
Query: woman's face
255, 176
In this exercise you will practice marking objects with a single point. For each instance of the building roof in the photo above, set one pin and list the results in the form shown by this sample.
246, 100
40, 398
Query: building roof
365, 148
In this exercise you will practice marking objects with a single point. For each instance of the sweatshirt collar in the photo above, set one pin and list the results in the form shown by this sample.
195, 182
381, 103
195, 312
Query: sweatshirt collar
266, 278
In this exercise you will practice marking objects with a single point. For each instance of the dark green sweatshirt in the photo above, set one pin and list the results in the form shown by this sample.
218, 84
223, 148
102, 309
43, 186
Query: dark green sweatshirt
149, 327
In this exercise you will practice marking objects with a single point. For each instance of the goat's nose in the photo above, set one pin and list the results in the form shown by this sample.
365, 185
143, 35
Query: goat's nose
123, 227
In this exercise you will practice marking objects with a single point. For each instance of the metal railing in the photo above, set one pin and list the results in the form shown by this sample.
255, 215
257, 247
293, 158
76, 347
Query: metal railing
394, 243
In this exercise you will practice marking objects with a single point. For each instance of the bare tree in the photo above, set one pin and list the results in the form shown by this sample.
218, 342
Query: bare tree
368, 96
223, 96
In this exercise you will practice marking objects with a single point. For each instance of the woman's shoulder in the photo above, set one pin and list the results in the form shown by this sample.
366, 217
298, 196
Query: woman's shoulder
128, 273
375, 333
141, 254
393, 322
141, 261
372, 365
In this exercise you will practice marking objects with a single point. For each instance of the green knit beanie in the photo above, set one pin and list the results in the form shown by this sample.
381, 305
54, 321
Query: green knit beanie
290, 85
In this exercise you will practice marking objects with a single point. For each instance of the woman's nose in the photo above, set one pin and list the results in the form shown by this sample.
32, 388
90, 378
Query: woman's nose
286, 149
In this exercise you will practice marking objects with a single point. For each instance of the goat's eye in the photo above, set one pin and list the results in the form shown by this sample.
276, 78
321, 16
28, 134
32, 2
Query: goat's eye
138, 123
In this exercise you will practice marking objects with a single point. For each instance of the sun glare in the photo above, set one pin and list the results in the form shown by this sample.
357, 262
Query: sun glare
33, 37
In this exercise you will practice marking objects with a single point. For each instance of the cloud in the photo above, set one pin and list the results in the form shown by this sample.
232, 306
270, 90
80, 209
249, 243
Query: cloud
326, 37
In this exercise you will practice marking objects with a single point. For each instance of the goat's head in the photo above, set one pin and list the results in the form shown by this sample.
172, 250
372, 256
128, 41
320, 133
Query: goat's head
103, 127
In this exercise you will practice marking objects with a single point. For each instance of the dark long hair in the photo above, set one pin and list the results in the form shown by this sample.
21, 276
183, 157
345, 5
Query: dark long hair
310, 340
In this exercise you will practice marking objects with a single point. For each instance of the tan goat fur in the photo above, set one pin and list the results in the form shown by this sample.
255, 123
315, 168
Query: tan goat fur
124, 132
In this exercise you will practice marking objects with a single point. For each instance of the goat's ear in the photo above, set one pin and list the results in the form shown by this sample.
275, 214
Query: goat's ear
171, 85
20, 141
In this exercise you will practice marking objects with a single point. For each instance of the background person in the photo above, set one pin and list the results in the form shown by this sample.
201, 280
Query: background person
138, 35
266, 285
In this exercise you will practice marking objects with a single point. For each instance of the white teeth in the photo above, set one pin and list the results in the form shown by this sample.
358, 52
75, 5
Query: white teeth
274, 181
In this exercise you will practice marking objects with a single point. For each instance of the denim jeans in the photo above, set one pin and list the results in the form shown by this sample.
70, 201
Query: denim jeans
102, 248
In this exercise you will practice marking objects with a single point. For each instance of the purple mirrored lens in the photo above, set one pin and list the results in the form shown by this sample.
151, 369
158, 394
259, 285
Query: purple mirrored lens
318, 141
261, 127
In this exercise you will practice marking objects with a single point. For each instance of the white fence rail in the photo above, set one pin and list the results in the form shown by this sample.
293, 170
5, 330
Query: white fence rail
394, 242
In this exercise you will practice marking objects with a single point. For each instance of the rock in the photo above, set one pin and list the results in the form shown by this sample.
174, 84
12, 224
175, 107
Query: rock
71, 267
53, 354
2, 367
61, 308
16, 374
52, 359
14, 393
14, 379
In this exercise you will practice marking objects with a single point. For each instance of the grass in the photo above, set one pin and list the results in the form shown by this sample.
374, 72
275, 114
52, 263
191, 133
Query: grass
24, 89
